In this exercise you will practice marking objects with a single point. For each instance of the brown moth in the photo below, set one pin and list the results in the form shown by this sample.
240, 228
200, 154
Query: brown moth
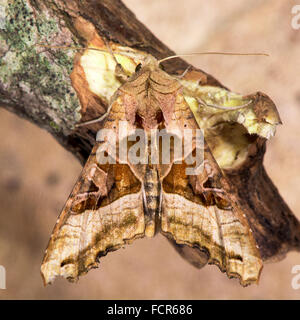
113, 204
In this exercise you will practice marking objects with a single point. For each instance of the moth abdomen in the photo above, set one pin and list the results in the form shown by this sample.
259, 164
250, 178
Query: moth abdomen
151, 201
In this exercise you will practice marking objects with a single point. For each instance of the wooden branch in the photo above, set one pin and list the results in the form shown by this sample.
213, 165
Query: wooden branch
35, 84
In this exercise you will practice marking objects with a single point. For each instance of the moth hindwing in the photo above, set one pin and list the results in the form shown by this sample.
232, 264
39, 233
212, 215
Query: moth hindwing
118, 199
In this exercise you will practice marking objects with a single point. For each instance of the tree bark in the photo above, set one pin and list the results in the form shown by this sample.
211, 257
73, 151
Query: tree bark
35, 84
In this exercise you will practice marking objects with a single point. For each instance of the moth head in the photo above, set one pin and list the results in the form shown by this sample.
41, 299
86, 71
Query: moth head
148, 62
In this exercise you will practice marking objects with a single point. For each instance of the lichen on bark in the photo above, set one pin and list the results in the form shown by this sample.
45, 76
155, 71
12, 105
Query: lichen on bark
31, 75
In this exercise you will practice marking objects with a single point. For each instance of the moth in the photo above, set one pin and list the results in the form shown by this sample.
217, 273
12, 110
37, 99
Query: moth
114, 203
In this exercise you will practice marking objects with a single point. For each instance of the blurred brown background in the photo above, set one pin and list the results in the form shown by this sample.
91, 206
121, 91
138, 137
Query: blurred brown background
37, 174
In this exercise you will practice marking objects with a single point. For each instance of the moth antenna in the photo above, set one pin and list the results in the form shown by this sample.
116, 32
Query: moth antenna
110, 51
69, 48
222, 107
119, 69
214, 53
95, 120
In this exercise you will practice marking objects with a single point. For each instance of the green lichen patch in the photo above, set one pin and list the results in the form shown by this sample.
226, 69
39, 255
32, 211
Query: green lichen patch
54, 126
30, 72
19, 25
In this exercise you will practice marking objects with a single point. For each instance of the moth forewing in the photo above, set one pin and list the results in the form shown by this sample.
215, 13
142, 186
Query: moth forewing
200, 211
103, 212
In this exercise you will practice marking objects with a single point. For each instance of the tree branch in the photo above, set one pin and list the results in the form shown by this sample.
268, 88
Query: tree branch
35, 84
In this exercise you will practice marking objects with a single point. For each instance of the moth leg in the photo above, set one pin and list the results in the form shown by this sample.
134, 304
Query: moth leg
95, 120
202, 102
183, 73
84, 196
216, 190
122, 77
